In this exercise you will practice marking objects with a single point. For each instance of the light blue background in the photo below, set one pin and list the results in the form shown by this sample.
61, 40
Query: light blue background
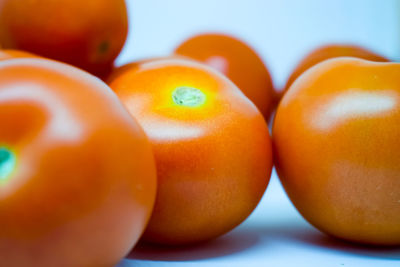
282, 32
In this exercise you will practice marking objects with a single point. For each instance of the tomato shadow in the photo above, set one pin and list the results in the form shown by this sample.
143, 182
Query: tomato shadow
230, 243
305, 235
327, 242
262, 235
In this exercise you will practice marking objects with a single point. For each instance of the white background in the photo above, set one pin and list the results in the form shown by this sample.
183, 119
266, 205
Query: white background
282, 32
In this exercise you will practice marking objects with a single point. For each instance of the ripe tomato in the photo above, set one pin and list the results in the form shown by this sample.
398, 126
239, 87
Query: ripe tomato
331, 51
211, 145
337, 145
89, 34
77, 175
9, 53
238, 62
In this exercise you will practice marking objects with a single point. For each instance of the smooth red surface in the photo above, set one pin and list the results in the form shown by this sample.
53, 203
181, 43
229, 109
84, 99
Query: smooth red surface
84, 183
238, 61
336, 139
213, 161
88, 34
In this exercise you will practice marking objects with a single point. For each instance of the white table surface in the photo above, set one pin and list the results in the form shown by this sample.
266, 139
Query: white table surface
274, 235
281, 32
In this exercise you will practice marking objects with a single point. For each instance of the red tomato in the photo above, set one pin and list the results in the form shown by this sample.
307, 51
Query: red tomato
88, 34
77, 175
211, 145
238, 62
331, 51
337, 146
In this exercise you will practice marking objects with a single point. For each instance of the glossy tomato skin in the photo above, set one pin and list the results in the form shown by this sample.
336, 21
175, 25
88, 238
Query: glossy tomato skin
84, 182
336, 140
238, 61
88, 34
332, 51
10, 53
213, 160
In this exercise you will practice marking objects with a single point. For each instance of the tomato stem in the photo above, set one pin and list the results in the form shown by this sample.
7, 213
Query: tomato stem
7, 162
188, 96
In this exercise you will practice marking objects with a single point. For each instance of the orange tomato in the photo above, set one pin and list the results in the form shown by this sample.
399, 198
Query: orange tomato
77, 175
336, 137
88, 34
238, 62
331, 51
211, 145
9, 53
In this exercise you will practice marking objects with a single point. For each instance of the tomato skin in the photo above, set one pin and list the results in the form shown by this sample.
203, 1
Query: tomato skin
10, 53
336, 144
88, 34
331, 51
213, 160
238, 61
84, 183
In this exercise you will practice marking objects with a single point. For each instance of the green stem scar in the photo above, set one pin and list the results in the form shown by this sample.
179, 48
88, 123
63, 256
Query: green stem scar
7, 162
188, 96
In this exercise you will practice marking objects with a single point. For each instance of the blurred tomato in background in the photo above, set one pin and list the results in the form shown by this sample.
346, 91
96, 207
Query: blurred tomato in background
88, 34
237, 61
331, 51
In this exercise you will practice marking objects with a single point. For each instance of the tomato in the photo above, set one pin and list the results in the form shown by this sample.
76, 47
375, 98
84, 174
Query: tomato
9, 53
336, 139
77, 175
89, 34
238, 62
211, 144
331, 51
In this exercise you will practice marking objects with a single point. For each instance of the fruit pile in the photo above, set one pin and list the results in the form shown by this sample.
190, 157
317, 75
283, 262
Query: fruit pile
177, 150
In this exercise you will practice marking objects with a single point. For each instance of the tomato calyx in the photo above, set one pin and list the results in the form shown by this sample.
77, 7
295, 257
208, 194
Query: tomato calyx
188, 96
7, 162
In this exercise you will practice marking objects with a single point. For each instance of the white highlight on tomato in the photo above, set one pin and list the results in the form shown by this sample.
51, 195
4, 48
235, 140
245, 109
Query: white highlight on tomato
354, 103
61, 124
218, 63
